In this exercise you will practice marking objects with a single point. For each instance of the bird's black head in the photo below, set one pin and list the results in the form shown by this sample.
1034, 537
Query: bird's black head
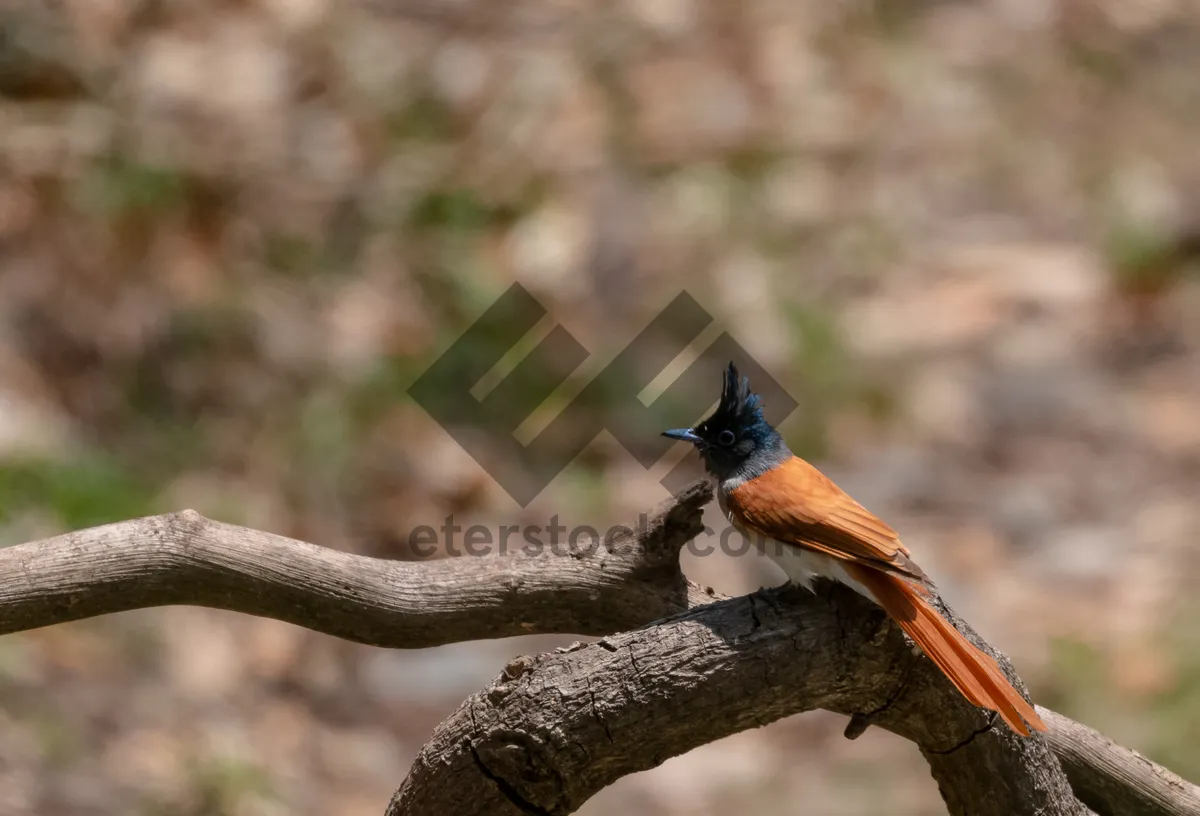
736, 441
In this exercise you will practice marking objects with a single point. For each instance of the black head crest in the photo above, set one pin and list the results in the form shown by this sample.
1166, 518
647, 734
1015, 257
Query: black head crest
738, 402
736, 439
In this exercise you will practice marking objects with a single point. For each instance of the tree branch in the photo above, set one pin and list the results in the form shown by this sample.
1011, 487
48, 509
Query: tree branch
624, 704
555, 729
1113, 780
184, 558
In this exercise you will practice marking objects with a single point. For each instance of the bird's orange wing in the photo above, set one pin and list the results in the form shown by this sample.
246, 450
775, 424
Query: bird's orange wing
797, 504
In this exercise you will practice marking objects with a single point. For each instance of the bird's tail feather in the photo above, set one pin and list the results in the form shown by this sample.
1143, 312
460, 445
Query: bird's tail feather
973, 672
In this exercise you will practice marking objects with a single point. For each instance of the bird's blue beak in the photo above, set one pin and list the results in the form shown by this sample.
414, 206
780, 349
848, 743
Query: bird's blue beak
685, 434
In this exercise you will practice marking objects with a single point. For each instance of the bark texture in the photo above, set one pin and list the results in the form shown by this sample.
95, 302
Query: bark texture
1113, 780
184, 558
678, 665
553, 730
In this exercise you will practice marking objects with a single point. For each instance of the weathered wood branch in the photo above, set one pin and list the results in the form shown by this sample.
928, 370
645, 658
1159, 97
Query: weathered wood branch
628, 702
1113, 780
184, 558
555, 729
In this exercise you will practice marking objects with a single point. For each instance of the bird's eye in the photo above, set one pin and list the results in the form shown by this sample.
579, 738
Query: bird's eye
726, 438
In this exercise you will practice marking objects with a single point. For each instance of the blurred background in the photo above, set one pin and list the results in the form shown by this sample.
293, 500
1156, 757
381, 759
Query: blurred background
961, 234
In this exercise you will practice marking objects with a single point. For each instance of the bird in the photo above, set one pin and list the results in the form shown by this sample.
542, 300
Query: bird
811, 528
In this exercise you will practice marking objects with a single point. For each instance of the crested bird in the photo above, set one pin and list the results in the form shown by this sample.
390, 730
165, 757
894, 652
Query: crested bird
812, 528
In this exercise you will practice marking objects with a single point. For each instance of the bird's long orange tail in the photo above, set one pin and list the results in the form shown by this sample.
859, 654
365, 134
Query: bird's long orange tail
974, 673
